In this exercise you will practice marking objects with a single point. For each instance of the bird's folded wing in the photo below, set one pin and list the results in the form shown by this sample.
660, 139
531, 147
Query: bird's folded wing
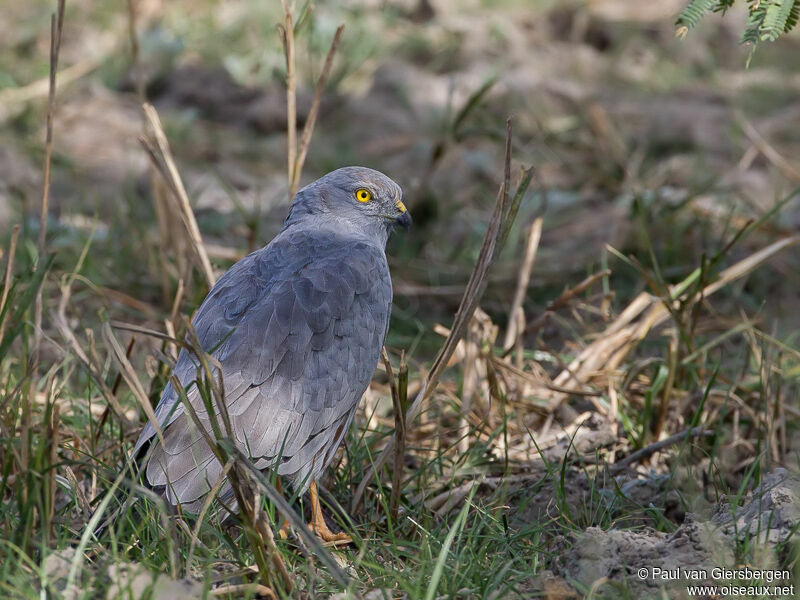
297, 329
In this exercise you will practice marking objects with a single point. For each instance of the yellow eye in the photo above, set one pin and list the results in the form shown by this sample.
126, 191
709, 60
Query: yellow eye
363, 195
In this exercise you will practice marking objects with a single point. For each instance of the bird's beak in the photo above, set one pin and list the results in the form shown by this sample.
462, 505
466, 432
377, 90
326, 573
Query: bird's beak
403, 218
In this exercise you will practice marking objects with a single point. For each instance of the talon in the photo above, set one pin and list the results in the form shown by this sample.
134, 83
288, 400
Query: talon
283, 532
326, 535
318, 524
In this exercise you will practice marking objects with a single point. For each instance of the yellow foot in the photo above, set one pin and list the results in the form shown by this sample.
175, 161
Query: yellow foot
283, 532
318, 524
326, 535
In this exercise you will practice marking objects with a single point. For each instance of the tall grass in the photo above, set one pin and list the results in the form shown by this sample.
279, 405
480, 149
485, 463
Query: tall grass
504, 448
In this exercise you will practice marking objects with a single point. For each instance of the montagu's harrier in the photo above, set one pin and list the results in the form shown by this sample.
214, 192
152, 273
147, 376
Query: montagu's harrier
297, 328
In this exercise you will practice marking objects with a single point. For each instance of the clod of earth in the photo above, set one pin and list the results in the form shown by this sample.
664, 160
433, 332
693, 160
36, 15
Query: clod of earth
767, 517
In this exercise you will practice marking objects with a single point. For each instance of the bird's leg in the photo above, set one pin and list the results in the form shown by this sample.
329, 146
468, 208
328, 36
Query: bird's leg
283, 532
318, 524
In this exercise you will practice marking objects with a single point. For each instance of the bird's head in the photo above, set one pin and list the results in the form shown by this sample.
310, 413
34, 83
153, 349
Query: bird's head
355, 194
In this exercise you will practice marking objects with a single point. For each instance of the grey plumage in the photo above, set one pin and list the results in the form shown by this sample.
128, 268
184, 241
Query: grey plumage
297, 328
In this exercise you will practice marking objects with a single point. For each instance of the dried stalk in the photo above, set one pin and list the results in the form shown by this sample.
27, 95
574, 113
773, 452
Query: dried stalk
531, 246
283, 507
138, 75
562, 301
287, 38
499, 226
770, 153
399, 390
52, 442
248, 590
296, 157
91, 365
56, 27
12, 250
646, 452
129, 375
623, 335
157, 147
308, 128
469, 384
114, 388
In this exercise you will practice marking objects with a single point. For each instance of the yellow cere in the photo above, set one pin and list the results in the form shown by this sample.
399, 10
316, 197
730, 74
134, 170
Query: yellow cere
363, 195
400, 206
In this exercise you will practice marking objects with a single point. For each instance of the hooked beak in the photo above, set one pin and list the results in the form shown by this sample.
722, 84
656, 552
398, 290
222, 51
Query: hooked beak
404, 218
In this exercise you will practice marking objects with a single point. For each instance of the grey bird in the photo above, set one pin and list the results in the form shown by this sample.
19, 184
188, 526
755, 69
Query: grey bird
297, 328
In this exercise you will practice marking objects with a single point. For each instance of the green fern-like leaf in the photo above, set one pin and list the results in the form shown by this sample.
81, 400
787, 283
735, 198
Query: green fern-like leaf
776, 17
767, 19
692, 14
723, 5
754, 21
793, 18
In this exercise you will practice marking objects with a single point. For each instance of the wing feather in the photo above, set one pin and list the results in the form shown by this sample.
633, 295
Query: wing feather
297, 328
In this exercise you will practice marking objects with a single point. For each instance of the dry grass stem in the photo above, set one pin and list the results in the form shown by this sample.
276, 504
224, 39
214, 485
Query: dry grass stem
37, 89
399, 391
157, 147
52, 440
498, 227
296, 156
308, 128
80, 495
114, 389
515, 315
92, 366
287, 39
14, 99
561, 302
138, 74
607, 352
131, 378
12, 250
770, 153
56, 27
248, 590
469, 385
648, 451
296, 522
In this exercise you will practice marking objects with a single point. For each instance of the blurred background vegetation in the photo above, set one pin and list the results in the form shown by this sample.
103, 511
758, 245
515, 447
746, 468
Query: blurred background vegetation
663, 158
